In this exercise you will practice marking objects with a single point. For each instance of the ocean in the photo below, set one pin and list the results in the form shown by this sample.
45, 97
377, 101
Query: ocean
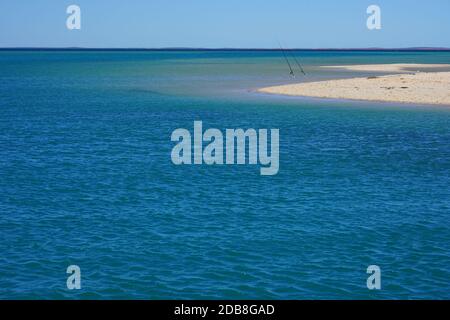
86, 179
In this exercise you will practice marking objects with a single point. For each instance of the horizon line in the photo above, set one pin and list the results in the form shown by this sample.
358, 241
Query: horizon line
228, 49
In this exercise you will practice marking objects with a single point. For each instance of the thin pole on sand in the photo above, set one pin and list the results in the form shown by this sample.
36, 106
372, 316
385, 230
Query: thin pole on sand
298, 63
287, 61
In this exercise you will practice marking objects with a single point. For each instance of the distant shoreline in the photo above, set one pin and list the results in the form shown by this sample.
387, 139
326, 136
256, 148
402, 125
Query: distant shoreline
412, 49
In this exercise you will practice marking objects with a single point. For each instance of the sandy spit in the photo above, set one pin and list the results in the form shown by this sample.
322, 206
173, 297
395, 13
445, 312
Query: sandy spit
417, 88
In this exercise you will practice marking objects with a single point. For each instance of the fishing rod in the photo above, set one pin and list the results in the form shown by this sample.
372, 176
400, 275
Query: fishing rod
298, 63
287, 61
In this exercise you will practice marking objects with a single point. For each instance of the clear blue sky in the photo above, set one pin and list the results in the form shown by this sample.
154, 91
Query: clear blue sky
225, 23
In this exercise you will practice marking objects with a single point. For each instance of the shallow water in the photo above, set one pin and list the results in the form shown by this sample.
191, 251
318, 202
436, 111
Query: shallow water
86, 178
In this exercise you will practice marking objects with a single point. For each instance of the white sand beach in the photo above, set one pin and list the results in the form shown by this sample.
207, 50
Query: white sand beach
417, 87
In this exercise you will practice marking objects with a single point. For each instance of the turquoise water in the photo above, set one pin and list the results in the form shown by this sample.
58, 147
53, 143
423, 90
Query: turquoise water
86, 178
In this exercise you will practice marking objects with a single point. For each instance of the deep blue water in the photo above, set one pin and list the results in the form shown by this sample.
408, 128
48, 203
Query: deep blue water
86, 178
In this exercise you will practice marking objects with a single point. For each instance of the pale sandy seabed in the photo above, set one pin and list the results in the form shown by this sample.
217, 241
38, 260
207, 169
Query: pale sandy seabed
410, 86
